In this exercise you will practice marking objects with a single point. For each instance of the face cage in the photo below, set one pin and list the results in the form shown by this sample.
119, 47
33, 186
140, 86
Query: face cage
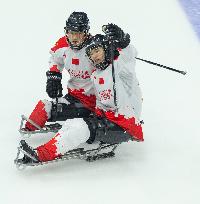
76, 47
102, 65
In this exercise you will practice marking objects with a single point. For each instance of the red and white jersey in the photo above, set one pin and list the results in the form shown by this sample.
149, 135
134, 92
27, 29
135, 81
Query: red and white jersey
128, 93
79, 69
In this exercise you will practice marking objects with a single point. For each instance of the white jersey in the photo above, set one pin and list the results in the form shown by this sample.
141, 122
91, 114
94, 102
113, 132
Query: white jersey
128, 92
78, 67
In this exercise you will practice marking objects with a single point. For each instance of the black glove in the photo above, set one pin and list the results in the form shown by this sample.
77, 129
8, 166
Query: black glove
115, 33
54, 86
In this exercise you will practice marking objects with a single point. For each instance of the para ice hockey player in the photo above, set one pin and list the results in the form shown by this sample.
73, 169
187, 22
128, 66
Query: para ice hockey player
118, 95
118, 103
69, 53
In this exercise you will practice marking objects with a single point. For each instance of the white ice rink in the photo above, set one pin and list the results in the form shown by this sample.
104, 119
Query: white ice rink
165, 168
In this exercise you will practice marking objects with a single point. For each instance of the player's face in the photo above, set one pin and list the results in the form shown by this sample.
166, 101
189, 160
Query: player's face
76, 38
97, 55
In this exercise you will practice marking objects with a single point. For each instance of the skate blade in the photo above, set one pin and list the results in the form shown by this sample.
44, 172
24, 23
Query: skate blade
27, 154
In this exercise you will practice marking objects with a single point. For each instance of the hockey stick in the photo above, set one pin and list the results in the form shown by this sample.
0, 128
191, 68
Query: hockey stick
113, 71
160, 65
111, 42
54, 110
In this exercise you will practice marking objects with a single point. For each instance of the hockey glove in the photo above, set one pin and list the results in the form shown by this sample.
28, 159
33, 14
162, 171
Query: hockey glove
54, 86
115, 33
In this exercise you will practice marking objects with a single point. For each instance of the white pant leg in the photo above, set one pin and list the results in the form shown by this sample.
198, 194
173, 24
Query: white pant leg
71, 135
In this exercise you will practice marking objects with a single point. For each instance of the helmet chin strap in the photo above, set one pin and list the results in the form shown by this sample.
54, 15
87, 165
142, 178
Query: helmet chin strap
102, 65
105, 63
75, 47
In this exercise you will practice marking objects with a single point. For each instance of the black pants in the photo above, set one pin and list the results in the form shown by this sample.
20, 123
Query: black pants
105, 131
62, 111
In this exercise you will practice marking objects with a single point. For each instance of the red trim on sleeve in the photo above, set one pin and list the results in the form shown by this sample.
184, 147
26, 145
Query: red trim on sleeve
116, 58
62, 42
54, 68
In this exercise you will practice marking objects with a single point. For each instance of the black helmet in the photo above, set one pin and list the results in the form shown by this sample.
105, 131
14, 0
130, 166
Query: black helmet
77, 21
100, 41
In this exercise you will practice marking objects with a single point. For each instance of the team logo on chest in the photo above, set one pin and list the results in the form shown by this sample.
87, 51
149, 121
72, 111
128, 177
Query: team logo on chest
80, 74
105, 94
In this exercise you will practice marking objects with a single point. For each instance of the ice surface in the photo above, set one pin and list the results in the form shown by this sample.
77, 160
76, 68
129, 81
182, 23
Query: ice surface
165, 167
